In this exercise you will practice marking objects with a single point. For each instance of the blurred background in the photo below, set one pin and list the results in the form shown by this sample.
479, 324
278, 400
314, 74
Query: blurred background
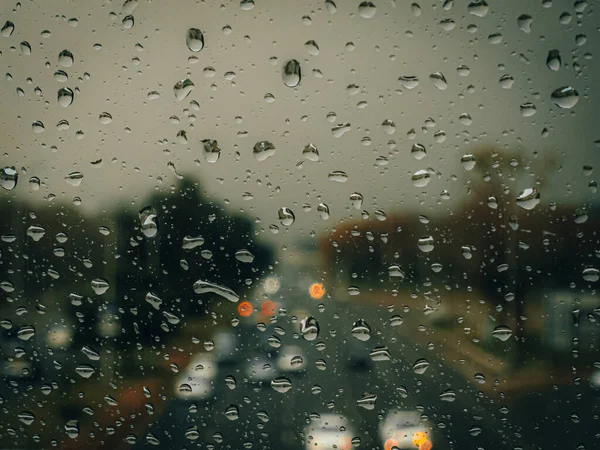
293, 225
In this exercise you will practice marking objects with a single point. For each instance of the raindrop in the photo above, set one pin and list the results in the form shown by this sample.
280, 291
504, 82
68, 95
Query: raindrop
26, 48
395, 271
148, 221
448, 395
311, 153
553, 61
527, 109
367, 10
35, 232
323, 211
340, 129
388, 126
191, 242
105, 118
65, 97
356, 199
380, 353
8, 178
128, 22
244, 256
506, 81
26, 417
361, 330
409, 82
418, 151
420, 366
247, 5
438, 80
183, 88
74, 178
421, 178
337, 176
85, 370
194, 39
212, 151
286, 216
292, 73
396, 321
330, 5
65, 58
25, 333
34, 183
38, 127
192, 433
230, 382
90, 353
7, 29
528, 199
502, 332
591, 274
263, 150
479, 377
468, 161
367, 401
281, 384
309, 328
312, 48
524, 21
478, 8
232, 412
72, 428
100, 286
565, 97
202, 287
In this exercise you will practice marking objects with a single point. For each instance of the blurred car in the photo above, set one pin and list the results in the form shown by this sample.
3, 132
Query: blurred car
196, 381
398, 428
330, 431
291, 360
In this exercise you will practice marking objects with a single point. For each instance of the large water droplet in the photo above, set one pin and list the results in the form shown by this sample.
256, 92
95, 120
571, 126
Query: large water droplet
72, 428
420, 366
291, 73
380, 353
74, 178
90, 353
309, 327
232, 412
194, 39
425, 244
438, 80
338, 176
8, 178
553, 61
528, 199
356, 199
7, 29
100, 286
212, 151
65, 97
323, 211
396, 272
148, 221
311, 153
85, 370
244, 256
65, 58
565, 97
340, 129
25, 333
202, 287
421, 178
38, 127
281, 384
409, 81
468, 161
367, 401
263, 150
128, 22
286, 216
26, 417
527, 109
361, 330
502, 332
367, 10
591, 274
478, 8
525, 21
35, 232
418, 151
183, 88
448, 395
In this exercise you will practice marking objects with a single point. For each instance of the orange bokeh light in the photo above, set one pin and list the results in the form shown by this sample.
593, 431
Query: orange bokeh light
316, 290
420, 440
244, 309
268, 308
390, 444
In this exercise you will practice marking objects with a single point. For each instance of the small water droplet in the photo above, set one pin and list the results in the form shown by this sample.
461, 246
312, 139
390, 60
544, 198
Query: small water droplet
202, 287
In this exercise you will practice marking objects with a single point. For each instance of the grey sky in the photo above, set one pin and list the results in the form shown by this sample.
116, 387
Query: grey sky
140, 142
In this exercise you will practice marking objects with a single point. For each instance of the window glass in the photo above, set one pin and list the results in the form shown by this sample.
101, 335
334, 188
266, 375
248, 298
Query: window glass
299, 224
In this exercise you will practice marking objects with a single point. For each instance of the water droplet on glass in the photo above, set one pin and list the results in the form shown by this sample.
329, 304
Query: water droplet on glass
26, 417
312, 48
65, 97
202, 287
291, 73
468, 161
502, 332
421, 178
565, 97
340, 129
212, 151
409, 82
527, 109
553, 61
65, 58
194, 39
244, 256
311, 153
420, 366
528, 199
331, 6
232, 412
247, 5
323, 211
148, 221
448, 395
367, 401
524, 21
388, 126
418, 151
309, 327
380, 354
591, 274
183, 88
263, 150
100, 286
192, 433
425, 244
478, 8
85, 370
25, 333
337, 176
438, 80
281, 384
105, 118
128, 22
35, 232
26, 48
367, 10
72, 428
74, 178
286, 216
38, 127
8, 178
7, 29
361, 330
479, 377
395, 271
356, 199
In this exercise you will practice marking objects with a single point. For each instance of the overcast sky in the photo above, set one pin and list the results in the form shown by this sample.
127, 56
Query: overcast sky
370, 53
